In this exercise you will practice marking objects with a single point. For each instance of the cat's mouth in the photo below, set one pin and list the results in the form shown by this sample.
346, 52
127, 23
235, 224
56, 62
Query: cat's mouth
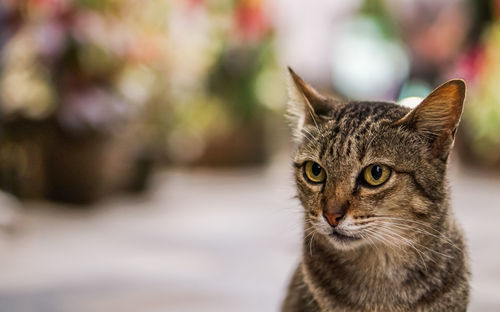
342, 237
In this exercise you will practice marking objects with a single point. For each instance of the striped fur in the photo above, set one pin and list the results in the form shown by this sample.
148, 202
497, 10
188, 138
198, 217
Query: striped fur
409, 253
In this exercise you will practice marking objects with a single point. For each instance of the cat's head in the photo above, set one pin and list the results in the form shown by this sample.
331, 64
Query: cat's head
372, 171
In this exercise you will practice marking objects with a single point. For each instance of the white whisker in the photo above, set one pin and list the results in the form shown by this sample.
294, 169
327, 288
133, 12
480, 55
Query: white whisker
418, 230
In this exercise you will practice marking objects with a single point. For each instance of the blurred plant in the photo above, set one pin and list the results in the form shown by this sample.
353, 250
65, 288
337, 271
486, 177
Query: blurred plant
87, 63
83, 95
482, 112
220, 91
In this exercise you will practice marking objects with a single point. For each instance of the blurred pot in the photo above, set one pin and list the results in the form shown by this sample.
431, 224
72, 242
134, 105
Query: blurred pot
243, 146
39, 159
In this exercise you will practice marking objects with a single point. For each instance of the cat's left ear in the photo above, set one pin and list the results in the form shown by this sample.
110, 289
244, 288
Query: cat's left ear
437, 116
305, 105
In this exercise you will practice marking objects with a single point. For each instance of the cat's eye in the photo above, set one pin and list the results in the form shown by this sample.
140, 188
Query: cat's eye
376, 175
314, 173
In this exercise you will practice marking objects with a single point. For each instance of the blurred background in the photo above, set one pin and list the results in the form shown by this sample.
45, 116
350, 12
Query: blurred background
144, 157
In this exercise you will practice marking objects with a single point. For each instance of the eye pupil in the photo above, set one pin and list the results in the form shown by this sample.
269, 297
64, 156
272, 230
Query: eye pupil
316, 169
375, 175
376, 172
313, 172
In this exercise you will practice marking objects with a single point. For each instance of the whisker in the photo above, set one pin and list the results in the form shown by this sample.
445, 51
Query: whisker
310, 243
381, 238
418, 230
423, 246
309, 234
427, 225
405, 241
308, 135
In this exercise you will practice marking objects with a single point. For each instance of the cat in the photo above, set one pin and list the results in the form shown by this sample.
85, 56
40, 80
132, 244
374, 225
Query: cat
379, 234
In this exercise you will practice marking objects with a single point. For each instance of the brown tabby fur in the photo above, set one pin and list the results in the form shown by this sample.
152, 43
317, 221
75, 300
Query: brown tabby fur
408, 253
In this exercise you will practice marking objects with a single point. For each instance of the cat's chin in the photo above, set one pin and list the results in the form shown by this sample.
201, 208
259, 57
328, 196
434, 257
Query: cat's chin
342, 241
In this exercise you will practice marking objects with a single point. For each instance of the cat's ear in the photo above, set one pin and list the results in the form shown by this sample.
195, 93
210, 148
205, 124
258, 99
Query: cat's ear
437, 116
305, 105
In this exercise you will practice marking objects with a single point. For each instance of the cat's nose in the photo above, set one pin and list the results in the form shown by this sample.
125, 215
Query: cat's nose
334, 211
333, 218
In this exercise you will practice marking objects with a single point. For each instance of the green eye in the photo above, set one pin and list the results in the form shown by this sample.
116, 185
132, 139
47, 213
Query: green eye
314, 173
376, 175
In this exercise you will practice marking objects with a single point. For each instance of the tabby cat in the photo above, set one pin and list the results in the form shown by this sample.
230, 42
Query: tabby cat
379, 234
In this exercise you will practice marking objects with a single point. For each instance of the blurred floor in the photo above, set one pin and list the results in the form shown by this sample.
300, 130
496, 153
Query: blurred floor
199, 241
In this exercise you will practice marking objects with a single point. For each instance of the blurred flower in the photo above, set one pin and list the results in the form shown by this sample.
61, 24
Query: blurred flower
24, 85
49, 38
136, 83
251, 24
76, 57
469, 64
90, 108
26, 92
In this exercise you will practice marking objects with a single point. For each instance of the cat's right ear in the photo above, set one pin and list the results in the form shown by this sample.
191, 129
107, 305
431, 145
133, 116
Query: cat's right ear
437, 117
305, 105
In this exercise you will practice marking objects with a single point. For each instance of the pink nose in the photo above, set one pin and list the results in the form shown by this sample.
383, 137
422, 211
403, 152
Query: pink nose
333, 218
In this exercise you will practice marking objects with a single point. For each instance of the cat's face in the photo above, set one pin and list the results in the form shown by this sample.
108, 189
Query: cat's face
372, 172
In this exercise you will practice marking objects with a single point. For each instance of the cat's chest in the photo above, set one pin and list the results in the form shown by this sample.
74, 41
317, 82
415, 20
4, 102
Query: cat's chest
354, 286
